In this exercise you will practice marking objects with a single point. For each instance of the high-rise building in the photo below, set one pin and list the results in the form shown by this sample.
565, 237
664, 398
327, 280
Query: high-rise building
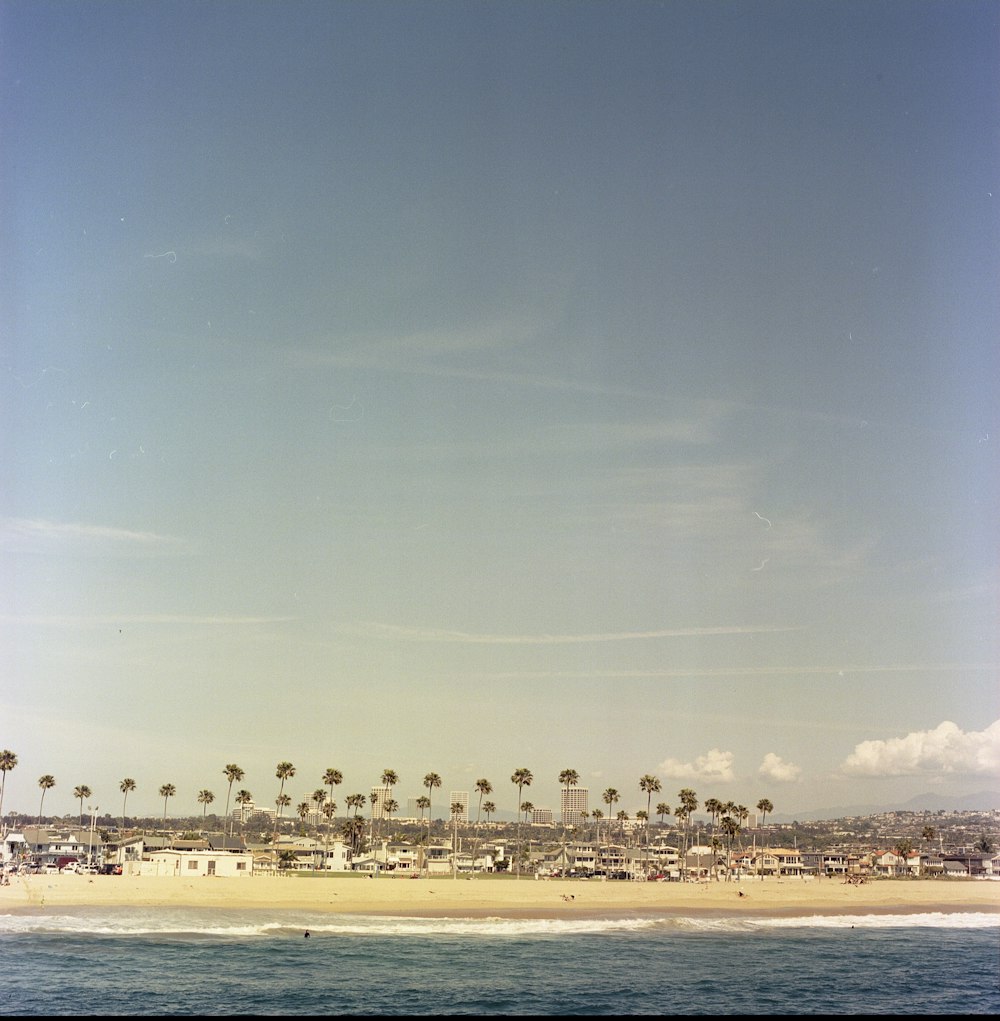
380, 795
572, 804
541, 816
459, 798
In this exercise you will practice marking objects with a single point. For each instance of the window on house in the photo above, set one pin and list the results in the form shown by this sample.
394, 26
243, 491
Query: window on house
192, 864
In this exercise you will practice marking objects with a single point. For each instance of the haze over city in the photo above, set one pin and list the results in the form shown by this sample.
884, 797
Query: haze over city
460, 387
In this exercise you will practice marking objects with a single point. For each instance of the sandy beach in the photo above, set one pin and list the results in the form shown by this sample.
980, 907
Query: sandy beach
488, 897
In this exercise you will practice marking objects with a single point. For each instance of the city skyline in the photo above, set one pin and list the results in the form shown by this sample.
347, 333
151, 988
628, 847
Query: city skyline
463, 387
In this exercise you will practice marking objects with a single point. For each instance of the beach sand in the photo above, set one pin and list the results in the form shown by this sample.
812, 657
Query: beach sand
483, 896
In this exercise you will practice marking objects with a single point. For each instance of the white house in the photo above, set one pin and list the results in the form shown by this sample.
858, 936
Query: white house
171, 862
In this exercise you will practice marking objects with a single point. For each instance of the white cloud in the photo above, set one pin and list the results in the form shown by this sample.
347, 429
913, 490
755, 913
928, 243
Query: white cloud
715, 766
775, 768
945, 749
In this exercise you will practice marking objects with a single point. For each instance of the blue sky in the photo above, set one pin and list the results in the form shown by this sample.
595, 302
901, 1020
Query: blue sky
458, 387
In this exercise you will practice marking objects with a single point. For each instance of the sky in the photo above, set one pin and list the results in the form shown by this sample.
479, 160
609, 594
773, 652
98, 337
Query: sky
459, 387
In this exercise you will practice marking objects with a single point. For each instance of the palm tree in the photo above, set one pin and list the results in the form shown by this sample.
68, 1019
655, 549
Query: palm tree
730, 825
521, 778
302, 811
332, 778
46, 782
243, 798
622, 818
352, 829
126, 787
689, 801
280, 802
662, 810
317, 798
597, 815
168, 790
488, 809
610, 797
423, 803
283, 771
389, 779
233, 774
205, 797
763, 806
484, 787
8, 760
650, 785
714, 808
457, 808
903, 849
81, 792
431, 780
391, 805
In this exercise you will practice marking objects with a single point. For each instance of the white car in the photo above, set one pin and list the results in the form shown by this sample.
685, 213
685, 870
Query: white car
49, 869
71, 867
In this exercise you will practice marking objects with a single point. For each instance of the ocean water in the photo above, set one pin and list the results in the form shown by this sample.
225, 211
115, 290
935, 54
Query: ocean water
210, 962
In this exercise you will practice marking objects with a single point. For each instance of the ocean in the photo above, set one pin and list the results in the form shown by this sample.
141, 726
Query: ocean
165, 962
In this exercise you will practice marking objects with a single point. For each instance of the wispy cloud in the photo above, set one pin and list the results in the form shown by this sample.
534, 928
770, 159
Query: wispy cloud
946, 750
36, 535
398, 632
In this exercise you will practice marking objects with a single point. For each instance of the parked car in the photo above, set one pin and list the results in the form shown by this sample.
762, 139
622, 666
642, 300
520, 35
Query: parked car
70, 867
49, 869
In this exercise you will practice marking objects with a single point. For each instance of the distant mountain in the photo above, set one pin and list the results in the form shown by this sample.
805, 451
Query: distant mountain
985, 801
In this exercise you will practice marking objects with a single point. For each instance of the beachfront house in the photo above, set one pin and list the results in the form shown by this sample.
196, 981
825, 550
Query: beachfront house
170, 861
889, 863
48, 846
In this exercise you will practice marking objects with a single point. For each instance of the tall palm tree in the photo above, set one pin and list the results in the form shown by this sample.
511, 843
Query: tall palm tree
423, 803
622, 818
597, 815
8, 760
488, 809
233, 774
389, 779
168, 790
280, 802
46, 782
81, 792
763, 806
610, 797
283, 771
332, 778
126, 787
205, 797
662, 810
302, 811
521, 778
730, 826
317, 798
650, 785
243, 798
457, 808
484, 787
689, 800
431, 781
